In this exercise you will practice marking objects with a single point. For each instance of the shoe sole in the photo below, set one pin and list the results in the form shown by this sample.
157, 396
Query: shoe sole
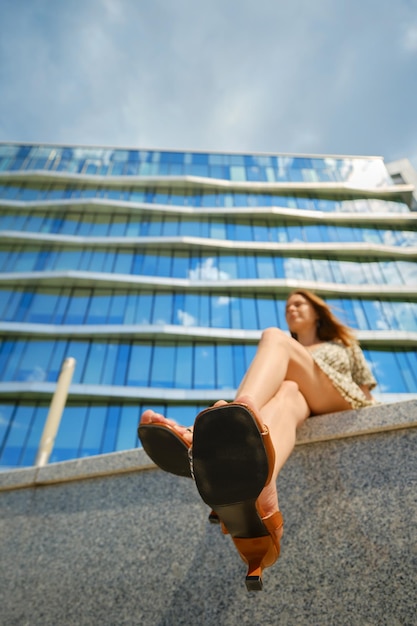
165, 448
231, 467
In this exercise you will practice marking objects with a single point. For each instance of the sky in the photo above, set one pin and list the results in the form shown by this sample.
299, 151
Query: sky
299, 76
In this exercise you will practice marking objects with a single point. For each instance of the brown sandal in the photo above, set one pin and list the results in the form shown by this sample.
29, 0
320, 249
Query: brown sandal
166, 447
233, 460
169, 450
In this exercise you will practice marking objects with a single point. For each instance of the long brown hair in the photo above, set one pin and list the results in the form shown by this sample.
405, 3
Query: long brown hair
329, 328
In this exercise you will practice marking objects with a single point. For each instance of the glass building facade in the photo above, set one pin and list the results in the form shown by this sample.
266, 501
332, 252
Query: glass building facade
157, 271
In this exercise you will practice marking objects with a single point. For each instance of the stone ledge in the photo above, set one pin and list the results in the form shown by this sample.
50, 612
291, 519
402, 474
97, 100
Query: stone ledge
370, 420
342, 425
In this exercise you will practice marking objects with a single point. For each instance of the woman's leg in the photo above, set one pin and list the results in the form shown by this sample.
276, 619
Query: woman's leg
283, 414
279, 358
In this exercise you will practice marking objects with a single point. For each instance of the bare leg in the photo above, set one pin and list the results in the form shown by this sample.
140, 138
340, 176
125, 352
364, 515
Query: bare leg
283, 414
283, 385
279, 358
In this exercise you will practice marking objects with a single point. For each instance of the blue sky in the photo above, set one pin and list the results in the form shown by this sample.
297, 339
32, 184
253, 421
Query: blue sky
306, 76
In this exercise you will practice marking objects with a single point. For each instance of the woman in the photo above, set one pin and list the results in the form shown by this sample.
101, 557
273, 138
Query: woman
236, 450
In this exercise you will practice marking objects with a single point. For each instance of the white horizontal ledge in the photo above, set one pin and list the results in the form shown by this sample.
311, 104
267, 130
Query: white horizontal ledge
322, 189
100, 206
154, 331
42, 390
101, 280
171, 331
338, 250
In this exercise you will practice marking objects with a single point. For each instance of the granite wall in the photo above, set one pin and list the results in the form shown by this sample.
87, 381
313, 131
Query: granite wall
111, 540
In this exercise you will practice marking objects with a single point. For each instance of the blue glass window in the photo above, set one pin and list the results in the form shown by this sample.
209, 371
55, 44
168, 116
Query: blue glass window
163, 365
34, 362
402, 315
78, 350
180, 265
16, 436
144, 308
248, 314
109, 365
118, 226
267, 313
227, 267
24, 305
123, 263
265, 267
57, 359
35, 430
59, 312
94, 363
111, 429
387, 372
117, 308
220, 312
204, 375
68, 439
186, 310
138, 372
122, 363
183, 374
77, 306
98, 308
280, 304
224, 367
239, 364
204, 311
235, 311
407, 371
163, 306
93, 431
6, 414
149, 265
8, 302
128, 421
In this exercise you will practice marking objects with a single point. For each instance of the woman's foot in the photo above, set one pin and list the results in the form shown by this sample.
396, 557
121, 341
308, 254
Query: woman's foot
166, 443
151, 417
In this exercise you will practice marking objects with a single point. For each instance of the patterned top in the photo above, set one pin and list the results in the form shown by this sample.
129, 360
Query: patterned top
347, 369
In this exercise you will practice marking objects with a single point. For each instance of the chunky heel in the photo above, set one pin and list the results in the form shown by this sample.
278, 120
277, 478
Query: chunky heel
254, 582
258, 553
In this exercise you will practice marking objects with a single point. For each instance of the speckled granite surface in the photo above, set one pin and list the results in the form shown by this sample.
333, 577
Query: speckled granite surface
134, 546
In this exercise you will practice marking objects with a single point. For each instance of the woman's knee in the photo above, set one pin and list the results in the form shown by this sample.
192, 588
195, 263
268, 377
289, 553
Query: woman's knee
274, 335
290, 393
289, 388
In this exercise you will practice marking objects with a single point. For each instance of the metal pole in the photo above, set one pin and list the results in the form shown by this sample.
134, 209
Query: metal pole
55, 412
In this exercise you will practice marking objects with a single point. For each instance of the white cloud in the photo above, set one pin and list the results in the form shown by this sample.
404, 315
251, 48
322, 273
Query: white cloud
207, 270
186, 319
410, 38
38, 374
222, 301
